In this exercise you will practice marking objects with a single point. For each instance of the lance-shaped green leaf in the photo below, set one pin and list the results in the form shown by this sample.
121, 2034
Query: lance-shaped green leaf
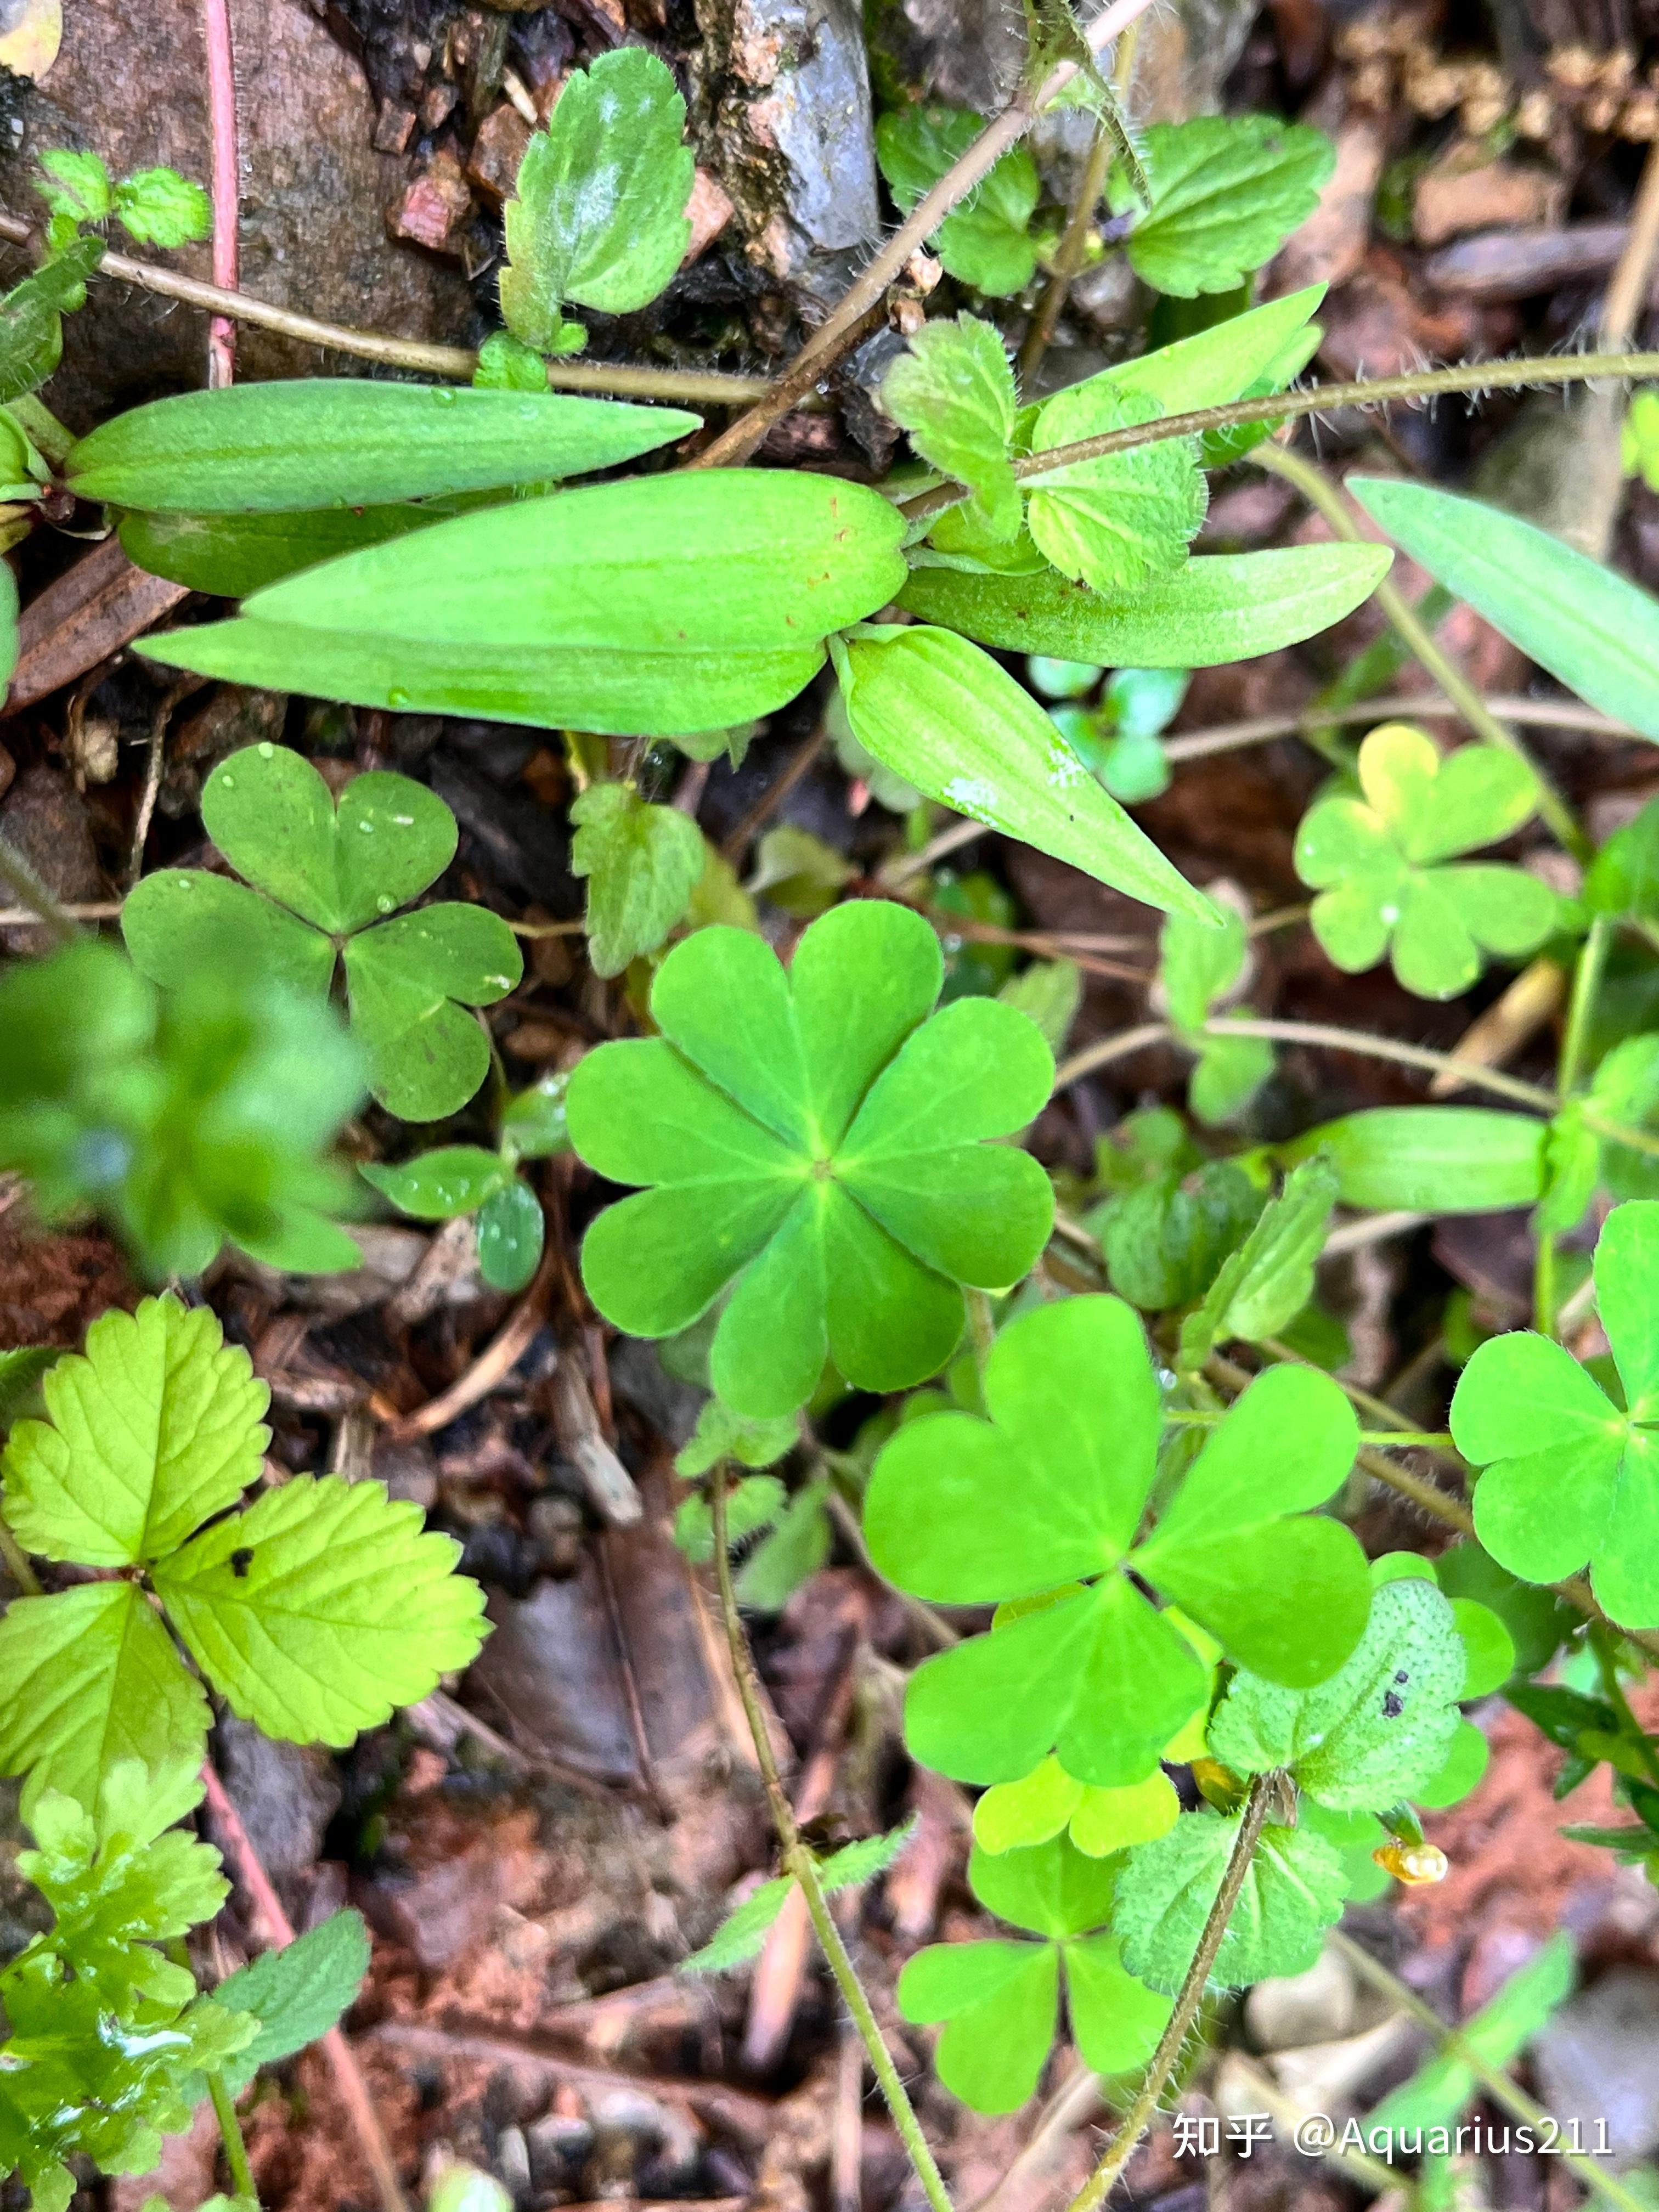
1377, 863
1593, 629
1206, 370
297, 1993
954, 392
1040, 1505
1120, 520
814, 1140
1429, 1159
1294, 1889
947, 719
437, 1186
741, 1935
233, 554
1198, 967
322, 873
599, 212
157, 1427
643, 863
1437, 2092
322, 1608
1570, 1481
1000, 2001
986, 241
1267, 1280
338, 442
1216, 608
1379, 1730
1227, 192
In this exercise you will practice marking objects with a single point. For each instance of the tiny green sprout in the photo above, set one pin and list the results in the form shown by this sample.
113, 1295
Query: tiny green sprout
814, 1143
1199, 969
1570, 1480
154, 207
741, 1936
313, 1611
328, 882
1377, 863
1041, 1507
999, 2000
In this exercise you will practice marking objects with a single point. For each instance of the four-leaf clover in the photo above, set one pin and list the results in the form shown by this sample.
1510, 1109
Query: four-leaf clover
314, 1612
1041, 1507
328, 882
1001, 2000
1374, 862
813, 1141
1570, 1478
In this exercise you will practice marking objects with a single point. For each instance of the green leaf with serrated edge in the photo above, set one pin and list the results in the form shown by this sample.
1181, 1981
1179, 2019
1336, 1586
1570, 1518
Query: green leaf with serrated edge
1437, 2092
943, 715
1120, 521
1595, 630
984, 241
1570, 1479
506, 364
599, 212
1429, 1159
155, 1429
547, 687
158, 207
1378, 1729
1227, 192
233, 554
1293, 1890
91, 1679
123, 1873
345, 441
1371, 860
1269, 1279
75, 185
1051, 993
297, 1993
436, 1185
1050, 1490
1000, 2004
321, 1609
790, 1554
21, 1370
32, 316
863, 1860
954, 392
742, 1935
752, 1504
844, 1240
511, 1231
721, 1434
1214, 609
642, 863
675, 564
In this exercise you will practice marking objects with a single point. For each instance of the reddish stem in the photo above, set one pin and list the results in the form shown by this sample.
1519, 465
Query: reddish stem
226, 184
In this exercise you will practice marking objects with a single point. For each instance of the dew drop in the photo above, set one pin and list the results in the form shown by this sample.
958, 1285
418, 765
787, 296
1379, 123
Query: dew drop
404, 821
384, 903
443, 396
227, 783
396, 697
368, 829
267, 750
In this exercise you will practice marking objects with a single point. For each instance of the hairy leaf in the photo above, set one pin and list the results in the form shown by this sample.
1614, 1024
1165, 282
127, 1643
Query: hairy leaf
297, 1993
985, 241
1227, 192
1119, 521
158, 207
1293, 1891
642, 863
954, 392
1268, 1279
32, 316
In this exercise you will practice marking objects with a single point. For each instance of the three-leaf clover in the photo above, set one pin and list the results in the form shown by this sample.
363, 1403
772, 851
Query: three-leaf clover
313, 1612
327, 885
954, 392
1294, 1889
458, 1179
987, 240
1375, 862
1570, 1478
1198, 967
1119, 739
1000, 2001
1041, 1507
598, 213
1227, 192
814, 1142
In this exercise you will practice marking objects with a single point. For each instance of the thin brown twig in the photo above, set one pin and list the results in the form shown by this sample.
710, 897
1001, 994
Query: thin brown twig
1259, 729
737, 840
349, 2080
709, 386
1626, 295
867, 291
489, 1370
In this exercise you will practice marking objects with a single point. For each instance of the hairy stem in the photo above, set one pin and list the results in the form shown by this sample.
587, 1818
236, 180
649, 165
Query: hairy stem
831, 338
1139, 2118
798, 1860
458, 361
230, 2133
1414, 633
1334, 1039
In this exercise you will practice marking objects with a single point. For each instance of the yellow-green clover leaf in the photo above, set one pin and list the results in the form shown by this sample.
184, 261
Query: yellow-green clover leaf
1000, 2001
1570, 1478
327, 885
1041, 1507
813, 1142
1375, 863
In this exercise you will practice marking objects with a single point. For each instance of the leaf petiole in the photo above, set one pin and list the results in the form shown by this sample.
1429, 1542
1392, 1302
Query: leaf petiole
230, 2132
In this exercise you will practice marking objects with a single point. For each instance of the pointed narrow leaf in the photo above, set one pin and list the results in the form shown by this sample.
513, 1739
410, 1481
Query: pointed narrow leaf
1431, 1159
297, 1994
742, 1935
231, 555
